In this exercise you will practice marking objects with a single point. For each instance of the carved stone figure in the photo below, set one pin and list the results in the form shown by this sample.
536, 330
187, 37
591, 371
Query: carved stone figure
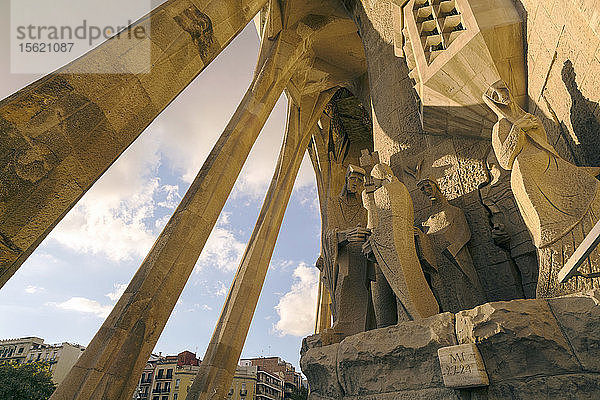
345, 239
392, 242
559, 202
508, 228
449, 232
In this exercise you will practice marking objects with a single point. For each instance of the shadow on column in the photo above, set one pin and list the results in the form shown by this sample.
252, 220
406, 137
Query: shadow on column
586, 125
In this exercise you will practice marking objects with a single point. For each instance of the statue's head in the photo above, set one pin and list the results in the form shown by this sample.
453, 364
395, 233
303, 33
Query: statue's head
354, 179
499, 93
381, 173
430, 189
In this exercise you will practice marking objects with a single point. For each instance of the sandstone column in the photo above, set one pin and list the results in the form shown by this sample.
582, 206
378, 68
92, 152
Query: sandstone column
111, 365
220, 361
58, 135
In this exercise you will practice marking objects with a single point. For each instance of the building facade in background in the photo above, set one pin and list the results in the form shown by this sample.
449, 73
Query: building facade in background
167, 377
244, 383
285, 371
170, 378
60, 357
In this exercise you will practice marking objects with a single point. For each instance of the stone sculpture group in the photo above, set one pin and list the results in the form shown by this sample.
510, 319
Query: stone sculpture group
411, 81
378, 273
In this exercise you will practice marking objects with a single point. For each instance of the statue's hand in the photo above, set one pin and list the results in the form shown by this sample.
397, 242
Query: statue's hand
358, 234
528, 122
370, 185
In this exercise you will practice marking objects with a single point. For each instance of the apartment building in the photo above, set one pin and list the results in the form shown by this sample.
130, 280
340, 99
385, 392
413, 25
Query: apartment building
292, 380
60, 357
244, 382
167, 377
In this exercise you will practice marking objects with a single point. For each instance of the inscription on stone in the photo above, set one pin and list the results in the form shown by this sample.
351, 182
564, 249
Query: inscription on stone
462, 366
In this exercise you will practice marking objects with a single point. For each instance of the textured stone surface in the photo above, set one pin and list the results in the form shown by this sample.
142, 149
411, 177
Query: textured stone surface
517, 338
319, 364
578, 316
563, 61
526, 353
410, 343
425, 394
567, 387
462, 366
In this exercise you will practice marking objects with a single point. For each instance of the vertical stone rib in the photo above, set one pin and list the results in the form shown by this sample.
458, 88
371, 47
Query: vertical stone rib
111, 365
58, 135
219, 364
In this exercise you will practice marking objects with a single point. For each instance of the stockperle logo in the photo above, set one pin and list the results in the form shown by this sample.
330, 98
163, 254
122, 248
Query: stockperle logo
47, 35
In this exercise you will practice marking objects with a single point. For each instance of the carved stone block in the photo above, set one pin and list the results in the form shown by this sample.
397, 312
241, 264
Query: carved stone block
462, 366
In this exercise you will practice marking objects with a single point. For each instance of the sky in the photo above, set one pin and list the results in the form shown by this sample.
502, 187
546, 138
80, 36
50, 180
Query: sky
68, 286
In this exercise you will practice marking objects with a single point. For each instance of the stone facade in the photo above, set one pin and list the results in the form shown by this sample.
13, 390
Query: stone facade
346, 68
532, 349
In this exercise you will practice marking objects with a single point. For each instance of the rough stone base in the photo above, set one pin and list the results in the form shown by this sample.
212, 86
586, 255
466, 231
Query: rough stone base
532, 349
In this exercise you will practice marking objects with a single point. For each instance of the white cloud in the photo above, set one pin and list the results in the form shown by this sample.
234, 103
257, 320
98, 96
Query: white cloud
206, 307
83, 305
296, 308
221, 289
172, 196
33, 289
112, 218
119, 289
222, 250
160, 223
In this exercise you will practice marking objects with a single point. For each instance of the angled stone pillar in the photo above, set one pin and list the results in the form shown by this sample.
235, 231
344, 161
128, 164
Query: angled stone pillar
58, 135
111, 365
220, 361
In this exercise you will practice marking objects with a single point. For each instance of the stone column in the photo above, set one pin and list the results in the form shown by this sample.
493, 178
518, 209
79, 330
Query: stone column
58, 135
111, 365
221, 358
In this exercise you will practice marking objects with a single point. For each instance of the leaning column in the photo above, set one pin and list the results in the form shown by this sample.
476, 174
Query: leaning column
218, 366
58, 135
111, 365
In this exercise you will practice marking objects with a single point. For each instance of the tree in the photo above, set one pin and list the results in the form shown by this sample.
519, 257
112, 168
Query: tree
31, 381
300, 393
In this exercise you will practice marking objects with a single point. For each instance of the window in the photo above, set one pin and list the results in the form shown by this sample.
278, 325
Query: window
160, 373
53, 356
167, 387
175, 396
177, 381
169, 373
165, 398
155, 398
38, 357
20, 350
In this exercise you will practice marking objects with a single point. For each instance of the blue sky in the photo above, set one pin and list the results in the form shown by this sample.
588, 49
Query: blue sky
68, 286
